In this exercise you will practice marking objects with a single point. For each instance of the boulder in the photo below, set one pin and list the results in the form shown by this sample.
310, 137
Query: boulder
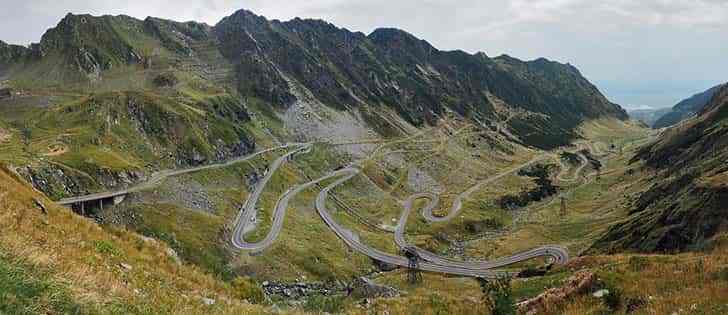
5, 93
363, 288
383, 266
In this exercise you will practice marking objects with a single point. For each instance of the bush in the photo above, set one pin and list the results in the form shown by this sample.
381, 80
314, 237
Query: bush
613, 299
544, 189
106, 247
498, 296
167, 79
247, 289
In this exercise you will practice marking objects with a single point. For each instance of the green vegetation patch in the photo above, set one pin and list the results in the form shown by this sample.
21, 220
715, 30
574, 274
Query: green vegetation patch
24, 290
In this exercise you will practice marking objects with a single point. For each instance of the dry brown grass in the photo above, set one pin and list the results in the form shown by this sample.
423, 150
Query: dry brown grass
86, 259
436, 294
689, 283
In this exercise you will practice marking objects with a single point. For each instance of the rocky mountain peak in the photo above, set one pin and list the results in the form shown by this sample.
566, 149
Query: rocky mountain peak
393, 39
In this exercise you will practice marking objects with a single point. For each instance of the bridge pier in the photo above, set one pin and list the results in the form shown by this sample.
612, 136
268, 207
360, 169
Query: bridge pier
414, 276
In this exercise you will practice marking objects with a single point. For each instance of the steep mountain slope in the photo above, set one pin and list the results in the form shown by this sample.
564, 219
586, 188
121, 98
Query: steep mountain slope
687, 201
541, 101
390, 67
52, 261
11, 53
649, 116
686, 108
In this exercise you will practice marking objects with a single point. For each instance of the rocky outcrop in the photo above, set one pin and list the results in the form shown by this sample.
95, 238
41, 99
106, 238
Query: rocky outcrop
363, 288
301, 290
581, 283
59, 182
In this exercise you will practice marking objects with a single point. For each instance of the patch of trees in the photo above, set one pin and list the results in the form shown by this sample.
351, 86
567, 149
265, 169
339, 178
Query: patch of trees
167, 79
571, 158
479, 226
544, 188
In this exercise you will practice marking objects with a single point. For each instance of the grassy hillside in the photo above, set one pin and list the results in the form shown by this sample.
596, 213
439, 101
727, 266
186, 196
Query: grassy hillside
111, 139
684, 204
55, 261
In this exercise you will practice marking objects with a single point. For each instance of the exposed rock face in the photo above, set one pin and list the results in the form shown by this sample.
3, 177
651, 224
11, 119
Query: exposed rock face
91, 43
300, 290
580, 283
10, 54
688, 200
57, 182
393, 68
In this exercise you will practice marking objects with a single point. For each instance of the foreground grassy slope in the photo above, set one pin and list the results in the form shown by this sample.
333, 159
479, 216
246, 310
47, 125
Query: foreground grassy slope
25, 290
99, 271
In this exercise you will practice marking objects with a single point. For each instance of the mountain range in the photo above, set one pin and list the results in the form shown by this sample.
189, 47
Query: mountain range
264, 59
686, 108
666, 117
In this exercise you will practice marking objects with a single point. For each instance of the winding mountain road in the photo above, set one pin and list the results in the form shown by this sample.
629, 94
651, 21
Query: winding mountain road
160, 176
431, 262
557, 253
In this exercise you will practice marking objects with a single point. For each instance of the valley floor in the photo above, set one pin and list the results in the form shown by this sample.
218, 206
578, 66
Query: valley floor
194, 213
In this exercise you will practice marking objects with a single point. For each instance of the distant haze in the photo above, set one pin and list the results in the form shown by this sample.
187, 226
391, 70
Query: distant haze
650, 53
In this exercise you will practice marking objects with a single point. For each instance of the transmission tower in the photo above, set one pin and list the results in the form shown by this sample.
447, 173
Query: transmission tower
414, 276
563, 205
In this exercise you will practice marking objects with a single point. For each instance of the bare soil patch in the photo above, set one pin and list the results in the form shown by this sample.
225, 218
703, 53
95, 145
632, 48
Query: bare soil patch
4, 135
56, 149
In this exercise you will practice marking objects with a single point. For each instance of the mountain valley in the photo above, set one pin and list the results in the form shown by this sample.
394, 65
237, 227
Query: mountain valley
265, 166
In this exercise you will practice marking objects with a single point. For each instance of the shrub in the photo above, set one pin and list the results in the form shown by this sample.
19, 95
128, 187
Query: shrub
613, 299
167, 79
106, 247
498, 296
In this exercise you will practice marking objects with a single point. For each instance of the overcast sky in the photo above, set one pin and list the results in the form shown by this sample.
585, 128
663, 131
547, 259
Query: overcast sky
639, 53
